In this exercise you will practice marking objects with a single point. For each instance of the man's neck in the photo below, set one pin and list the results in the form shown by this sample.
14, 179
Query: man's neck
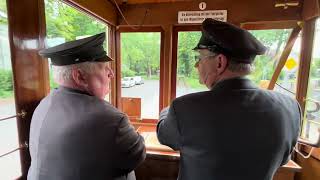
72, 86
228, 75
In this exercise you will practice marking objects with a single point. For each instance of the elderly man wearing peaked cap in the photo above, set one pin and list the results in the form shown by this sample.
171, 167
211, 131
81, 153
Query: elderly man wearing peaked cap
233, 131
74, 133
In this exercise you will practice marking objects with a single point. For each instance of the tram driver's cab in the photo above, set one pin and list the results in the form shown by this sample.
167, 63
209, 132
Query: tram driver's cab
151, 42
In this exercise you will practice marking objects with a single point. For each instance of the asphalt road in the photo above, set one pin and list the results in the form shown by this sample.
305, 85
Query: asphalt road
9, 165
149, 94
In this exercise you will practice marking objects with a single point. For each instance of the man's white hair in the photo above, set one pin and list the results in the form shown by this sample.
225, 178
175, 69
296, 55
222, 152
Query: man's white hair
63, 74
240, 67
235, 66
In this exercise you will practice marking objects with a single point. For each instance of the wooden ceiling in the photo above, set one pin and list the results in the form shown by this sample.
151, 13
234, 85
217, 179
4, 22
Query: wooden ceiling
168, 1
147, 1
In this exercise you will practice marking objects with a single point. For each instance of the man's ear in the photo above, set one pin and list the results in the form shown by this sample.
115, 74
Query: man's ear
79, 77
222, 63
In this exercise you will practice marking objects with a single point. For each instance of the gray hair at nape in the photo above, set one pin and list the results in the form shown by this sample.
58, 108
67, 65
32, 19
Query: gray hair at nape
243, 68
63, 74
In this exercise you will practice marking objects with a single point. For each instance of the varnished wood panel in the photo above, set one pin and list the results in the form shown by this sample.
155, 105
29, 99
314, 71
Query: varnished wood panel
269, 25
167, 61
166, 167
118, 69
148, 1
315, 153
131, 106
163, 163
238, 11
112, 53
310, 169
311, 9
30, 71
157, 169
100, 9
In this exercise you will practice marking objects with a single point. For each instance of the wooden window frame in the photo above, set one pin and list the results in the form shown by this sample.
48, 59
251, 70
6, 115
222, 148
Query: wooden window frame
308, 35
136, 29
175, 37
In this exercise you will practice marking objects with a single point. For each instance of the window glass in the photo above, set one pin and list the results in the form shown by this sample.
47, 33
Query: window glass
275, 41
312, 113
140, 72
65, 23
187, 75
10, 164
287, 81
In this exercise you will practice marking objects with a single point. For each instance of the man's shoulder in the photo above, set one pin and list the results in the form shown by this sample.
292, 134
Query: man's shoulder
88, 105
278, 98
194, 95
106, 108
272, 93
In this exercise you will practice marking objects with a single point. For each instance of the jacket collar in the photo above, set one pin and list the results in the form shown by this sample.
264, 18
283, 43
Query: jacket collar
63, 88
234, 83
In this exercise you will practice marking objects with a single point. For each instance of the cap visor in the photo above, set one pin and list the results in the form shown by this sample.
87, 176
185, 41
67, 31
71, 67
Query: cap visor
109, 58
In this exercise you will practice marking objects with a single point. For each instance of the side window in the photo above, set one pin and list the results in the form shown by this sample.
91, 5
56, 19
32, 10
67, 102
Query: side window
287, 81
187, 76
312, 109
9, 164
140, 74
187, 80
65, 23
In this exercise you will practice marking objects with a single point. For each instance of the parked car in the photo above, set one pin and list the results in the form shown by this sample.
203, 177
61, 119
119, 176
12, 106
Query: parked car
127, 82
138, 80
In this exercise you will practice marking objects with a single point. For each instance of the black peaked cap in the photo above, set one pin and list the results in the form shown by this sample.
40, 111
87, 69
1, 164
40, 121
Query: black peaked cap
228, 39
88, 49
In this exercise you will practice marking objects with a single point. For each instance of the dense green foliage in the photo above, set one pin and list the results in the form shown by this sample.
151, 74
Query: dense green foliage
6, 83
186, 42
3, 5
69, 23
315, 68
140, 54
3, 8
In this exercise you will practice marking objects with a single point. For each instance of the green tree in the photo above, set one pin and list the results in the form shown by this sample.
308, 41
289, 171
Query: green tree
3, 9
3, 5
275, 37
274, 40
69, 23
187, 41
315, 67
140, 53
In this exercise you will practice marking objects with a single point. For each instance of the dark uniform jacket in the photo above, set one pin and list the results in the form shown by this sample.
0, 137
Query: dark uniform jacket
233, 132
76, 136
